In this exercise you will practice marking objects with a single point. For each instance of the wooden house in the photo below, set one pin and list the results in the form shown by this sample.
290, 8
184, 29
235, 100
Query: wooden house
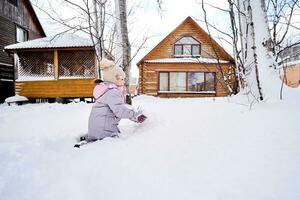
18, 23
63, 66
187, 63
290, 66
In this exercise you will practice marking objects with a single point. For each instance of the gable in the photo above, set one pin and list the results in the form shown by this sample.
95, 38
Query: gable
209, 47
33, 23
22, 14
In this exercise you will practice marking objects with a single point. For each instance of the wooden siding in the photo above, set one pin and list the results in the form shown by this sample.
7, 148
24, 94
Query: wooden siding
291, 76
7, 37
165, 49
149, 78
12, 16
24, 16
55, 88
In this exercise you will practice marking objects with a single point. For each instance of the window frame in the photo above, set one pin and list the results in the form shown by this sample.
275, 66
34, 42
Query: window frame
187, 78
23, 31
191, 46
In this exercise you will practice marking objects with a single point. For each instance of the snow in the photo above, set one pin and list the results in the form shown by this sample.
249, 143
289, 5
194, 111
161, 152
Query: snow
56, 41
34, 78
193, 148
290, 64
186, 60
15, 98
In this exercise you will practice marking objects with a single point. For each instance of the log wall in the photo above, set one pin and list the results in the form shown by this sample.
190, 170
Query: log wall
209, 48
149, 78
69, 88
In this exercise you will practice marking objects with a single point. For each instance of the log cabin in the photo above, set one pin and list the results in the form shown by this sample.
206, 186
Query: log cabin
290, 66
62, 66
187, 63
18, 23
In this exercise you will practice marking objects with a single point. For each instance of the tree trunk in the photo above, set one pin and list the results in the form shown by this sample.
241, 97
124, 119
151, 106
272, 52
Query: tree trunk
262, 80
123, 40
98, 29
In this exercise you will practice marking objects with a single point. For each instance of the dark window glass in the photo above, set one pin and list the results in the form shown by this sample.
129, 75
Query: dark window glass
187, 47
13, 2
196, 81
178, 49
209, 81
196, 50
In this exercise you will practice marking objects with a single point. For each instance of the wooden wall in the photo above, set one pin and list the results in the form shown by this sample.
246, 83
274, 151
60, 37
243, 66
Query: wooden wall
165, 49
149, 77
22, 15
7, 37
291, 76
55, 88
12, 16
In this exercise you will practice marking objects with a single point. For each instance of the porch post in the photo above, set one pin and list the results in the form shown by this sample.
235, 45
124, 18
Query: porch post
55, 64
16, 66
97, 67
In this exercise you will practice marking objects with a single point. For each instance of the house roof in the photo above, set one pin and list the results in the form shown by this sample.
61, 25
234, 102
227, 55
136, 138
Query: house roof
34, 16
186, 60
65, 40
187, 20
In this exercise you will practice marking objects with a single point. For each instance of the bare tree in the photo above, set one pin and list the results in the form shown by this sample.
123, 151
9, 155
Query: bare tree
123, 46
225, 78
89, 18
262, 80
280, 15
253, 47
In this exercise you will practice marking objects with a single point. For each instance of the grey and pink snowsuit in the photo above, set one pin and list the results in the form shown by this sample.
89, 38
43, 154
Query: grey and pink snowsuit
107, 111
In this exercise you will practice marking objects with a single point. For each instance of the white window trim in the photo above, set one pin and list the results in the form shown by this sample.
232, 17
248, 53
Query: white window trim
23, 31
189, 92
187, 55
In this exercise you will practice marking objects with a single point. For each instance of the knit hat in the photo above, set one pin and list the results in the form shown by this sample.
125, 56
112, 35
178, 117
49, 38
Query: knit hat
110, 71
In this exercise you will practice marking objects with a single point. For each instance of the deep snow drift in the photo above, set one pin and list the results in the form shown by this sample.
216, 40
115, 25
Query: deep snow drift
187, 149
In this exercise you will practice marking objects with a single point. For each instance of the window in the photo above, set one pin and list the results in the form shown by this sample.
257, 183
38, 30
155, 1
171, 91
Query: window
13, 2
196, 81
22, 35
164, 81
177, 81
187, 47
209, 81
187, 81
178, 49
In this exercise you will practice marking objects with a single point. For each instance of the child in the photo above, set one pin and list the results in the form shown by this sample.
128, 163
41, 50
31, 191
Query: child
109, 107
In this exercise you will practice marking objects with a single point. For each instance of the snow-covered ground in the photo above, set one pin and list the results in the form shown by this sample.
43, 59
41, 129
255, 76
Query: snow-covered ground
187, 149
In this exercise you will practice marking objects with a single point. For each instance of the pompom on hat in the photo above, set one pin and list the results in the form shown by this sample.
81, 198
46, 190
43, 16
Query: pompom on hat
110, 71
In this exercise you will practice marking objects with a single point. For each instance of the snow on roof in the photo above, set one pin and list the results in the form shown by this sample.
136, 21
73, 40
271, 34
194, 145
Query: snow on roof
65, 40
186, 60
289, 63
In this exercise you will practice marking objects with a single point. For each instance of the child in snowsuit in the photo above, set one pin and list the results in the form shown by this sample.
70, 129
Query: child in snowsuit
109, 107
